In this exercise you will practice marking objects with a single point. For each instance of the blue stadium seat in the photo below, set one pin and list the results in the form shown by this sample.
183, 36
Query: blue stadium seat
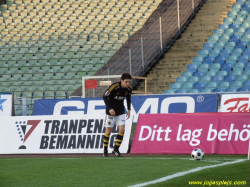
247, 66
239, 32
206, 90
204, 79
215, 67
243, 13
247, 31
236, 52
246, 72
211, 85
236, 7
193, 91
233, 25
246, 52
240, 2
210, 73
208, 46
193, 79
243, 89
232, 14
219, 45
230, 45
217, 78
222, 72
198, 74
230, 90
199, 85
244, 25
238, 66
186, 74
246, 19
203, 53
224, 38
226, 67
214, 52
231, 59
238, 20
208, 59
240, 78
234, 38
246, 84
225, 55
245, 38
213, 39
218, 32
225, 51
229, 78
229, 31
235, 84
180, 91
218, 90
243, 58
192, 68
245, 7
197, 60
203, 68
228, 21
223, 26
175, 86
187, 86
168, 91
220, 60
181, 79
223, 85
236, 72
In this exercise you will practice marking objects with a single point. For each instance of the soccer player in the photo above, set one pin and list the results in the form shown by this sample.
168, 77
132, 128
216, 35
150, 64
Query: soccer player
115, 111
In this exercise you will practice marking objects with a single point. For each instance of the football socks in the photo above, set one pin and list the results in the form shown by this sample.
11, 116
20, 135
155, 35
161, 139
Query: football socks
106, 141
118, 142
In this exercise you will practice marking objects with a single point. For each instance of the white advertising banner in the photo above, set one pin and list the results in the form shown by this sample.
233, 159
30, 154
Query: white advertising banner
5, 104
235, 103
57, 134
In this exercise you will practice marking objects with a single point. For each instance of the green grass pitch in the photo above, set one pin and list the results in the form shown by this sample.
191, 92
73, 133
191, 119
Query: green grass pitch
120, 172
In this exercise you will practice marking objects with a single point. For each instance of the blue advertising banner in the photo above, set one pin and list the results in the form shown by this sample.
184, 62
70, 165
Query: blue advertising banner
5, 104
150, 104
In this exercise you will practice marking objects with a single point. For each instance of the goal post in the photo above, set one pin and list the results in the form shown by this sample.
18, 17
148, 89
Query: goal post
103, 82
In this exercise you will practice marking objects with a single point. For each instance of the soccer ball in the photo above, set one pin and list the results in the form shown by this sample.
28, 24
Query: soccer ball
197, 154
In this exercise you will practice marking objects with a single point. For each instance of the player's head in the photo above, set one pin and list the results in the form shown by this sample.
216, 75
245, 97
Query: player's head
126, 79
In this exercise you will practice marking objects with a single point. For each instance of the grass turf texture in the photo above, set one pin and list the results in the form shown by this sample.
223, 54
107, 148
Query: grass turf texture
112, 171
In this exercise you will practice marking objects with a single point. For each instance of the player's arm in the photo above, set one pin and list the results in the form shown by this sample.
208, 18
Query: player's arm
128, 98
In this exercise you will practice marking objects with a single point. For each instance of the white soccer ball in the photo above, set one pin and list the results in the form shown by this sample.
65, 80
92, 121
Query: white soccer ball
197, 154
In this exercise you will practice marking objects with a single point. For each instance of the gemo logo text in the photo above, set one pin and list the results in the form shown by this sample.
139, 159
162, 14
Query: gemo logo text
150, 105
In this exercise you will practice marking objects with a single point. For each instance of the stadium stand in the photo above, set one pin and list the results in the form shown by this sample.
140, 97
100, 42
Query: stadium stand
33, 34
225, 53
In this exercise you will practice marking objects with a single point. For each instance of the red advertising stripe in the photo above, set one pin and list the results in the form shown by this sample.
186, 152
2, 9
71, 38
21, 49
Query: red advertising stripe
221, 133
91, 84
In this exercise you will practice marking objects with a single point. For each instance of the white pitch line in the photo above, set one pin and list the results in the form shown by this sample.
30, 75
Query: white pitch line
179, 174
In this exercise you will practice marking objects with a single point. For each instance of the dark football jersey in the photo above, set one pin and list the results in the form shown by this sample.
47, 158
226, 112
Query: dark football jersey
114, 98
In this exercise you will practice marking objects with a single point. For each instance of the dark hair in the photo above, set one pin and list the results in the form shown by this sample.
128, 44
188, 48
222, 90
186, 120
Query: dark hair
126, 76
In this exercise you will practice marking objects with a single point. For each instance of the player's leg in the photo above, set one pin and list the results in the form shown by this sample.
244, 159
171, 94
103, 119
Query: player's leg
119, 138
109, 124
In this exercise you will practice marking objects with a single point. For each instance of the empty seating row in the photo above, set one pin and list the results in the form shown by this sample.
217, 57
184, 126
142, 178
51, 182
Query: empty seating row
214, 77
213, 85
227, 45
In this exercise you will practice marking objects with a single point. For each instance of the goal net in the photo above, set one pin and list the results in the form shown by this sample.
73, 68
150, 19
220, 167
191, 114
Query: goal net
95, 86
